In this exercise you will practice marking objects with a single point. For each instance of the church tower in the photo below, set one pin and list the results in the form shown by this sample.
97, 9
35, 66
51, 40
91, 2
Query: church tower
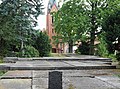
52, 7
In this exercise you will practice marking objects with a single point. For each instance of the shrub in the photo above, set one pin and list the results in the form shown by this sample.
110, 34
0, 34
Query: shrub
118, 56
1, 59
84, 48
102, 47
29, 51
42, 44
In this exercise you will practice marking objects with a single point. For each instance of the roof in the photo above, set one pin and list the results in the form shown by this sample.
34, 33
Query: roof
50, 4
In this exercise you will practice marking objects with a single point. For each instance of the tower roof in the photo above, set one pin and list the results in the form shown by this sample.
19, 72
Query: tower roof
52, 1
50, 4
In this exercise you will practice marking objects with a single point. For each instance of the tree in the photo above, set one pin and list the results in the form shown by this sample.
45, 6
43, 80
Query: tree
95, 10
19, 17
111, 26
42, 44
67, 22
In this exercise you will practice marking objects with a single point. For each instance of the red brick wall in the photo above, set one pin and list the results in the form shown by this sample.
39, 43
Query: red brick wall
50, 30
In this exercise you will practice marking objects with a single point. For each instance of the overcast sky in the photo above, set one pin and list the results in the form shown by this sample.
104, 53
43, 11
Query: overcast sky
42, 18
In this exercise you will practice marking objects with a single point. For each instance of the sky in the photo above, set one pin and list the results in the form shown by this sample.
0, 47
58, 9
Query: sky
42, 18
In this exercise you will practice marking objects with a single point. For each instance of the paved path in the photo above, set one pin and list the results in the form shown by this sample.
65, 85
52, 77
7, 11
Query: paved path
33, 74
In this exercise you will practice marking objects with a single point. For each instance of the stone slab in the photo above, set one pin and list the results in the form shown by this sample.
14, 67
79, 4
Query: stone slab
54, 65
15, 84
40, 74
76, 73
87, 83
79, 79
10, 59
113, 80
58, 64
17, 75
39, 83
66, 73
81, 58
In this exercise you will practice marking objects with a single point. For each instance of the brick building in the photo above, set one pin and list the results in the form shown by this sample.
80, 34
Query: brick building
53, 7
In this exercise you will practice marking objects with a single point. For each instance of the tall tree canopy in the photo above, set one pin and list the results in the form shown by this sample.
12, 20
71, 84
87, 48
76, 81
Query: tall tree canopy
42, 44
17, 19
111, 26
96, 10
78, 16
67, 22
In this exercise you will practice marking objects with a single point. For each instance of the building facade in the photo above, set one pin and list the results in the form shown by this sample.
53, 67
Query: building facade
53, 7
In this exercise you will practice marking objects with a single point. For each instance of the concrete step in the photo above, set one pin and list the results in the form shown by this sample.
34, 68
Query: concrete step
72, 58
63, 68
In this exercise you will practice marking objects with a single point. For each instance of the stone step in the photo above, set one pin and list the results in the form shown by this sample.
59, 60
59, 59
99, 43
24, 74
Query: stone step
81, 58
73, 59
63, 68
58, 68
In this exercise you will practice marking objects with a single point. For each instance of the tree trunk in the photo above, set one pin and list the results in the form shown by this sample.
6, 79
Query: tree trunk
2, 45
71, 47
119, 44
92, 39
93, 29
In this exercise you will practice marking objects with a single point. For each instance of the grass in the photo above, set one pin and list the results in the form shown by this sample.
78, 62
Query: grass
2, 72
1, 59
119, 75
116, 72
71, 86
57, 55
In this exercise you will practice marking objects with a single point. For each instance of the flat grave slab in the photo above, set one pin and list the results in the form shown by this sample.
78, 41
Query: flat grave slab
17, 75
113, 80
79, 79
40, 83
15, 83
61, 65
87, 83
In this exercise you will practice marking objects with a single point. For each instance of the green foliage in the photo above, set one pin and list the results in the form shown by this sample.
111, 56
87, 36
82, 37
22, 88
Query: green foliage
1, 59
30, 51
111, 26
118, 56
71, 86
2, 72
113, 57
84, 48
42, 44
17, 19
68, 24
78, 17
102, 47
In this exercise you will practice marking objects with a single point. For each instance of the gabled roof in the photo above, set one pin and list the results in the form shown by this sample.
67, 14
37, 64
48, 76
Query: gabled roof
50, 4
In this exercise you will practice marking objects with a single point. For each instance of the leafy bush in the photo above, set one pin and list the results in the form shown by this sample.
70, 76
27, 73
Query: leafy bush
29, 51
1, 59
2, 72
84, 48
118, 56
102, 47
42, 44
113, 57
